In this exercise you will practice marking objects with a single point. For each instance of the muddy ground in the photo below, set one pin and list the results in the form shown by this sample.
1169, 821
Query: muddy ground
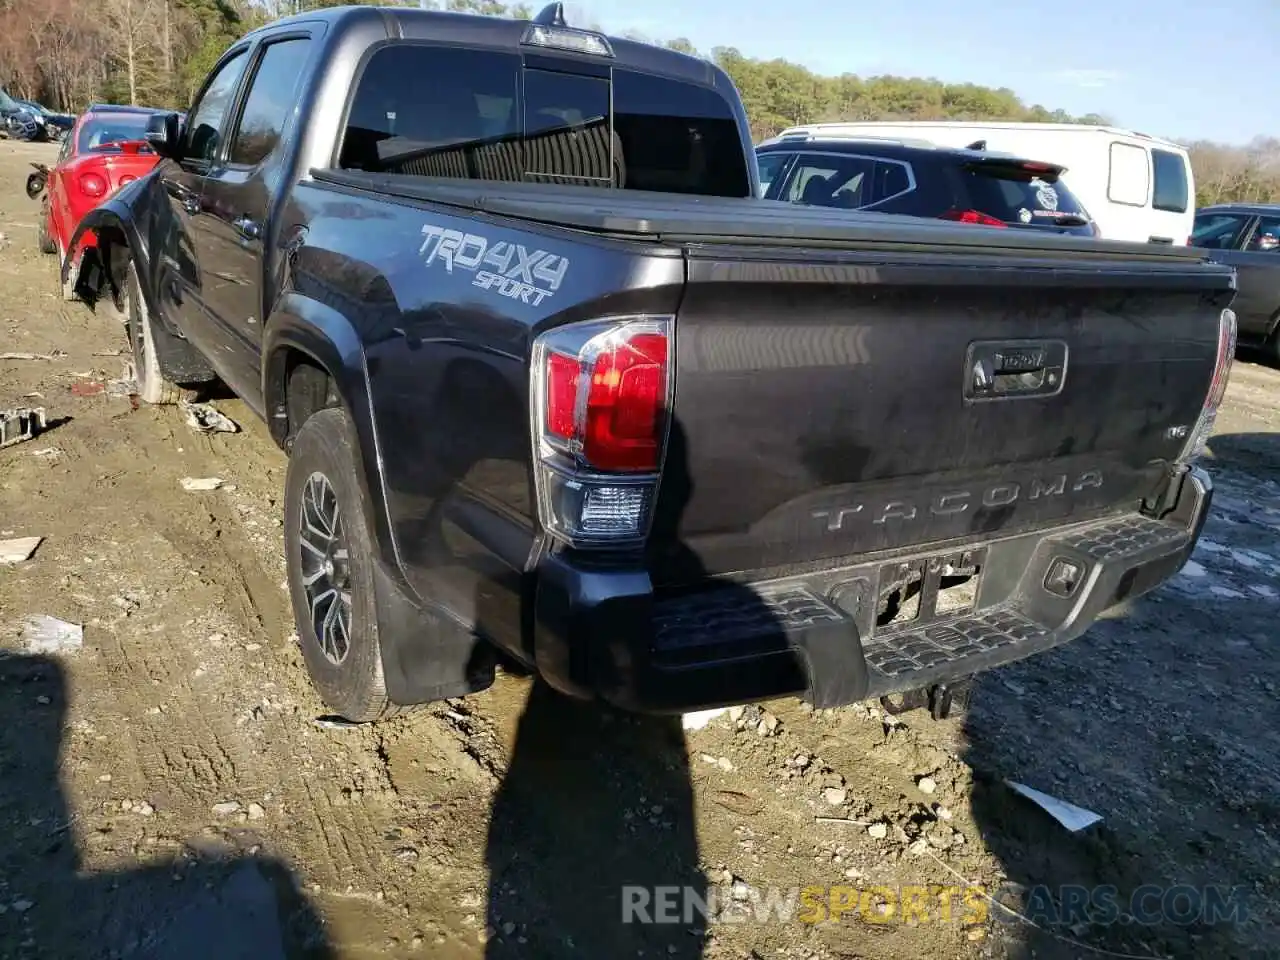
167, 791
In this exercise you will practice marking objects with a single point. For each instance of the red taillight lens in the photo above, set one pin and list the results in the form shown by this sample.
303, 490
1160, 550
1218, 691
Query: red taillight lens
563, 374
609, 401
625, 404
93, 185
1199, 437
602, 391
972, 216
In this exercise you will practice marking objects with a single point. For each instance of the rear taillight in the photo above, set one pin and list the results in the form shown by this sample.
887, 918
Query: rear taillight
972, 216
93, 185
601, 396
1199, 436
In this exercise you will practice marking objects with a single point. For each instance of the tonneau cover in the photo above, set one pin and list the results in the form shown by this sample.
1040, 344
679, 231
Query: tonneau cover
679, 218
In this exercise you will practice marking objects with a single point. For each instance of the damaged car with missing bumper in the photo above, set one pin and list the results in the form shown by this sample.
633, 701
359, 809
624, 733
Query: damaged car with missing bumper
556, 386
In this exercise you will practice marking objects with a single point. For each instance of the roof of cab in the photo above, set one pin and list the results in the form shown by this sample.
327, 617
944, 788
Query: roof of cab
1259, 209
408, 23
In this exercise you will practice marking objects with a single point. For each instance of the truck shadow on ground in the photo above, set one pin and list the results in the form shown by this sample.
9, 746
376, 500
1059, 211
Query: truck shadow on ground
595, 814
189, 907
1156, 719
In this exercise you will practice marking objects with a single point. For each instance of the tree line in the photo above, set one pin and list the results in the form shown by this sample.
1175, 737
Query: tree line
68, 53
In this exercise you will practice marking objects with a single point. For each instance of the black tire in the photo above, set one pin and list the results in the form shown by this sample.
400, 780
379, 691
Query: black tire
1272, 346
42, 233
347, 670
152, 386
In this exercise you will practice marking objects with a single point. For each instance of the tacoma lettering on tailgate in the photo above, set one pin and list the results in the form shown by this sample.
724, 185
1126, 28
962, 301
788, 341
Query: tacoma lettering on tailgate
511, 269
959, 501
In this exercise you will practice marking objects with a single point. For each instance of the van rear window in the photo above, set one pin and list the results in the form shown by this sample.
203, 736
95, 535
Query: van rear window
1170, 191
452, 112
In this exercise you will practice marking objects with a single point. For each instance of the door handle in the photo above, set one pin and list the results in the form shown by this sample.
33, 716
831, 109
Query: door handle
249, 229
1020, 368
191, 203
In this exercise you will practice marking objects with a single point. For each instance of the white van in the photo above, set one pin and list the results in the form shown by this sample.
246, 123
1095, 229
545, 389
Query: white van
1135, 187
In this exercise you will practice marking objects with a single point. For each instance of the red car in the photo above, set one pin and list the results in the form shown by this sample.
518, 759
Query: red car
105, 150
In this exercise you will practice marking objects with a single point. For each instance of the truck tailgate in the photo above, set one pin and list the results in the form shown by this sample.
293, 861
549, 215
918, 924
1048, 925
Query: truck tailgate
833, 402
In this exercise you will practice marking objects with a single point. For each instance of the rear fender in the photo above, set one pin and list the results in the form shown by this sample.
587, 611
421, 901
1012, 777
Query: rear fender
329, 340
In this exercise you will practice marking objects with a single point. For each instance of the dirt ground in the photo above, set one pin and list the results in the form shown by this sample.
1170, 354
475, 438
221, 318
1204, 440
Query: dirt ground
166, 790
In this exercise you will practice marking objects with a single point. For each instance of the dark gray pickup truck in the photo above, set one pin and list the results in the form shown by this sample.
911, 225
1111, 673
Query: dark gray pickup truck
558, 390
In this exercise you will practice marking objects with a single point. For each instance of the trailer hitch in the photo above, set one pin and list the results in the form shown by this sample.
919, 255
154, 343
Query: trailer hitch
939, 699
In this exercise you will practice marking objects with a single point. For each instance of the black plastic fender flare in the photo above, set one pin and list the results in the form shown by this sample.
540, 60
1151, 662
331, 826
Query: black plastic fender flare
331, 342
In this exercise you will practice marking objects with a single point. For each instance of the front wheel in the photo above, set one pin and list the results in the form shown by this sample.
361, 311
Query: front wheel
152, 386
329, 555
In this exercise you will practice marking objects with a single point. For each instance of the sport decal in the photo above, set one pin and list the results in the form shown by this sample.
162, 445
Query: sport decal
508, 269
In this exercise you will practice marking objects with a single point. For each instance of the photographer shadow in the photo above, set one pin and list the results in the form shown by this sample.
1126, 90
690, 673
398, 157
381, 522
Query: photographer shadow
185, 908
593, 847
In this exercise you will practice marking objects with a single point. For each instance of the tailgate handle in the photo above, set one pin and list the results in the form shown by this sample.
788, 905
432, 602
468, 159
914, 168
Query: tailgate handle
1011, 369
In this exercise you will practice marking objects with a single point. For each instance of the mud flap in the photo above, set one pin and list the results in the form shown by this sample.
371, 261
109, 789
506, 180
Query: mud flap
426, 655
835, 669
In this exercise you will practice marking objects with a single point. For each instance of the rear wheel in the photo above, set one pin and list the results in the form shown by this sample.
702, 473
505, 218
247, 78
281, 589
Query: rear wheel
152, 386
43, 237
329, 555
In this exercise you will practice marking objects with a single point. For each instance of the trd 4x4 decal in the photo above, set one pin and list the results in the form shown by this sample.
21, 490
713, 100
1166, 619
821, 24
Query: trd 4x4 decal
509, 269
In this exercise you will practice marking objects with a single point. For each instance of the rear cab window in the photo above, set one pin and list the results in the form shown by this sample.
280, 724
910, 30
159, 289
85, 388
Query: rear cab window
436, 111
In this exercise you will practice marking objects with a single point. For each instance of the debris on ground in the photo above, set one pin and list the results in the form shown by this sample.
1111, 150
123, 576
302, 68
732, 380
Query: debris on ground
18, 549
201, 483
334, 723
45, 634
56, 355
20, 424
87, 388
700, 718
126, 385
1069, 815
203, 418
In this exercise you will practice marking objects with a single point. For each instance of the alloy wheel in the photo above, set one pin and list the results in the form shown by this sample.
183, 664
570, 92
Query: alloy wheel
326, 567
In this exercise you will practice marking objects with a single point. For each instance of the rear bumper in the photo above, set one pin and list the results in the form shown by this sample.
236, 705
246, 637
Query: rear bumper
604, 634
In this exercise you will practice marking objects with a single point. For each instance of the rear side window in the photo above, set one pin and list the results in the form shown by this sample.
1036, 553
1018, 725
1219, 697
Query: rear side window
1218, 231
1170, 191
769, 166
448, 112
1129, 182
827, 180
272, 95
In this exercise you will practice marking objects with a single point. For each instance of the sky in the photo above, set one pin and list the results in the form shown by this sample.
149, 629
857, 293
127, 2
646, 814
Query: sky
1173, 68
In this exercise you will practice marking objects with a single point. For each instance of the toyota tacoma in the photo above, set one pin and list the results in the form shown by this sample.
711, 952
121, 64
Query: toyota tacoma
559, 390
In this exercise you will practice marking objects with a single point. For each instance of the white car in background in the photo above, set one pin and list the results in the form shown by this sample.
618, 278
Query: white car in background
1134, 186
